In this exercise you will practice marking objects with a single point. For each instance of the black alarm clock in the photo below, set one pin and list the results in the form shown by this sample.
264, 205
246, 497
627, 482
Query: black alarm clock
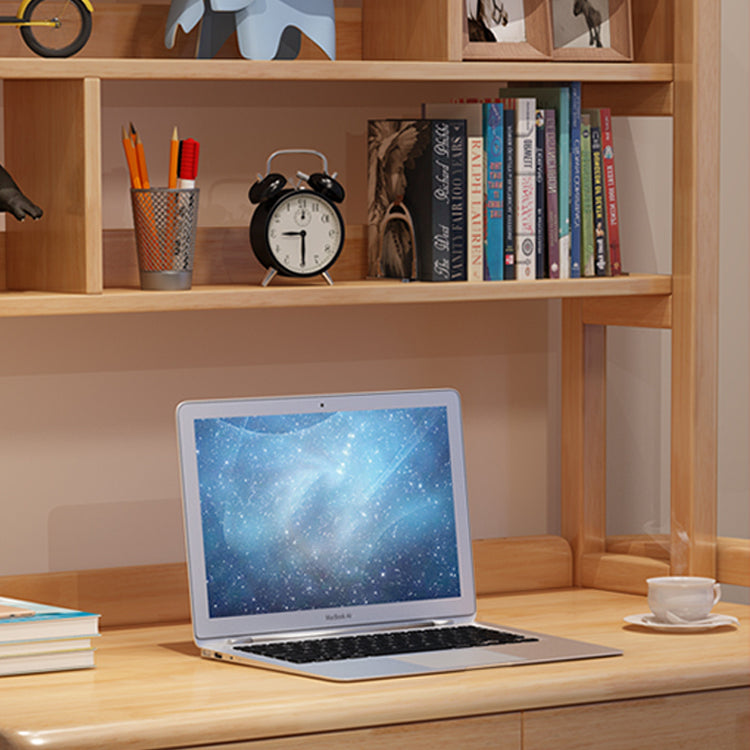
297, 231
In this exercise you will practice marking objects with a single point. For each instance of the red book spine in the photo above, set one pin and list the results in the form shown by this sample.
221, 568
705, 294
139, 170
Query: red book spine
610, 191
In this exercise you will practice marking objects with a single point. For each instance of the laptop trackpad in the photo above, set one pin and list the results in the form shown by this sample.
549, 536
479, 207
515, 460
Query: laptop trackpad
460, 658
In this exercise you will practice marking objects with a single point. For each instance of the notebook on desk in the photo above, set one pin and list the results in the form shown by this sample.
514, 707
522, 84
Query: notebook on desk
329, 536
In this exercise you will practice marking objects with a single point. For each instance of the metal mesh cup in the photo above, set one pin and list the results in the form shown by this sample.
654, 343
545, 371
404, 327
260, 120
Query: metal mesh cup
165, 222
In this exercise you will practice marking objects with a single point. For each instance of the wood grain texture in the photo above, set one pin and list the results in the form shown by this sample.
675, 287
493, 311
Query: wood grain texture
136, 30
646, 312
695, 289
719, 720
617, 572
411, 30
150, 689
145, 594
52, 147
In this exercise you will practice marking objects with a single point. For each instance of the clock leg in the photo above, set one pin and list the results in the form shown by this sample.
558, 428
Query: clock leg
327, 277
269, 275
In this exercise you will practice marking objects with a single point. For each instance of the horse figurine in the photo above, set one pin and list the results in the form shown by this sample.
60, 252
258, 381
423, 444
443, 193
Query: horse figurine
593, 20
487, 15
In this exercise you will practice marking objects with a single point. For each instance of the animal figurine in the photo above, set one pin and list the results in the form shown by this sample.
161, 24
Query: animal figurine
266, 29
488, 15
593, 20
13, 201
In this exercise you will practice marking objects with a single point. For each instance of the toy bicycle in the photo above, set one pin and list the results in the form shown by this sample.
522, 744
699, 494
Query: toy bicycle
53, 28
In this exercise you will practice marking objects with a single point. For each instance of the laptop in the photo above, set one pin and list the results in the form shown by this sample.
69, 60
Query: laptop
329, 536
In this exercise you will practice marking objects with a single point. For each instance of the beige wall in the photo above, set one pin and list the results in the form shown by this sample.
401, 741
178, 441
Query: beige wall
87, 449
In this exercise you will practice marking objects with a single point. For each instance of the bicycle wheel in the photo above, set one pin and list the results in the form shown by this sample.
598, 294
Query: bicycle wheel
71, 30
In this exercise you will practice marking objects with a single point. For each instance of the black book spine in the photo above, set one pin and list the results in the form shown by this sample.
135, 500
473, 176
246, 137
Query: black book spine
600, 216
458, 199
509, 208
541, 204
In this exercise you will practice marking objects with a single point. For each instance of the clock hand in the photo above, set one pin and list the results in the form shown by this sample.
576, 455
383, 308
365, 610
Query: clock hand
303, 234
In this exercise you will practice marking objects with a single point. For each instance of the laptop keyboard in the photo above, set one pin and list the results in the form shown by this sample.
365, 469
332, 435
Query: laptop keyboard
383, 644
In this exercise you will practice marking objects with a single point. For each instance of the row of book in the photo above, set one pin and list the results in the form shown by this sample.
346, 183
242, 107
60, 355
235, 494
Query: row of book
43, 638
520, 187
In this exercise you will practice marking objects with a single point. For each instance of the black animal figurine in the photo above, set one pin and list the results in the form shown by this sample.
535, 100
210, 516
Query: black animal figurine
593, 20
14, 201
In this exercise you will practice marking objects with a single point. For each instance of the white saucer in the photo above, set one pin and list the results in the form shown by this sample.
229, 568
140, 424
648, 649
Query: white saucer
648, 620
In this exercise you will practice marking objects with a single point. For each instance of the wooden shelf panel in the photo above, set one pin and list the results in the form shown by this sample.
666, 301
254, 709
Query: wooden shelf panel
328, 71
286, 295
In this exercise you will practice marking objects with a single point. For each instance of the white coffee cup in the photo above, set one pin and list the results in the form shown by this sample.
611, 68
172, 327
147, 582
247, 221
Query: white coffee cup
681, 599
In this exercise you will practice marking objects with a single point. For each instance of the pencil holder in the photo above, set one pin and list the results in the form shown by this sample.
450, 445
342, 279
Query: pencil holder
165, 222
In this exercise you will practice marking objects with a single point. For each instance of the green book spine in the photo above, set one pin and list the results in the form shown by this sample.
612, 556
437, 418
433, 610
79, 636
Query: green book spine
587, 200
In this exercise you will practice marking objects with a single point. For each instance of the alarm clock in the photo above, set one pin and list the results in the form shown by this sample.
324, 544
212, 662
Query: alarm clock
297, 231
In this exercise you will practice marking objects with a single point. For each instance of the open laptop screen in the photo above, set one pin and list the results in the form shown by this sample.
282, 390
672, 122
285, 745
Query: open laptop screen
306, 511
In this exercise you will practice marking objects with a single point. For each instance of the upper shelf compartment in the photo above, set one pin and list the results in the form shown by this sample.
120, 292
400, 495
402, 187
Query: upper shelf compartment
345, 71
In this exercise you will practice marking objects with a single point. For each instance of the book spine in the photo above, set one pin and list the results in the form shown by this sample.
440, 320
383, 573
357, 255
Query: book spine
587, 202
495, 183
509, 205
541, 218
439, 260
553, 226
525, 178
475, 181
610, 191
600, 218
563, 182
458, 199
575, 180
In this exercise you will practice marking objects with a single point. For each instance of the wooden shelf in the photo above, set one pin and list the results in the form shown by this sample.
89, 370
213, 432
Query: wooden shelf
318, 294
328, 71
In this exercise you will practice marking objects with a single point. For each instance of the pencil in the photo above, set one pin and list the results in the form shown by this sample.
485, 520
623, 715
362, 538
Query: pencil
141, 156
174, 150
135, 181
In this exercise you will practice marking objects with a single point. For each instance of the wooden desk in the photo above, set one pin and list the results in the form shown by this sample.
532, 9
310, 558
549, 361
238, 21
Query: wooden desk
151, 690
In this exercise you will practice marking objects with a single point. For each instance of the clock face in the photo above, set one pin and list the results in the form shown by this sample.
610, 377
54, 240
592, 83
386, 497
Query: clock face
305, 233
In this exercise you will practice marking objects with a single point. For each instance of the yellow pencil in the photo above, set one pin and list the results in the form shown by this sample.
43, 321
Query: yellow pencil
174, 150
135, 181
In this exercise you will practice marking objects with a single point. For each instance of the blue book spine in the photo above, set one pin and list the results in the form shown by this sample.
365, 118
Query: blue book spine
575, 180
492, 123
458, 199
509, 271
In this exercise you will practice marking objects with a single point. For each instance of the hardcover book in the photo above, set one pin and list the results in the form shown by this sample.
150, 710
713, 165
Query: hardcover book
409, 199
475, 208
557, 98
587, 202
575, 180
458, 199
495, 185
601, 248
541, 191
509, 203
551, 182
525, 184
610, 192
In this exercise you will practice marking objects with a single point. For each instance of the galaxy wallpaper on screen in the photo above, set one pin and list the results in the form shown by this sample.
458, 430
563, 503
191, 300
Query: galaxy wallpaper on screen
311, 511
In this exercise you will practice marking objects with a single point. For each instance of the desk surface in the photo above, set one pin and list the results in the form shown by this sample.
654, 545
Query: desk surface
151, 689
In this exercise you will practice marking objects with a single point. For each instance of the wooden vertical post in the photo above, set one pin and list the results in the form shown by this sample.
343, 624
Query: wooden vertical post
695, 245
583, 440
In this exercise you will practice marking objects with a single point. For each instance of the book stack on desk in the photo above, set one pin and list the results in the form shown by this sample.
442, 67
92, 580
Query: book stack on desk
42, 638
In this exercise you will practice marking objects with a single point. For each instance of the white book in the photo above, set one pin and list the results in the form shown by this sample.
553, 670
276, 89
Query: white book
475, 223
525, 188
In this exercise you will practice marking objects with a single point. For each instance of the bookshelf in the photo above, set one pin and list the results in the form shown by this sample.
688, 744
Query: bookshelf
55, 267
